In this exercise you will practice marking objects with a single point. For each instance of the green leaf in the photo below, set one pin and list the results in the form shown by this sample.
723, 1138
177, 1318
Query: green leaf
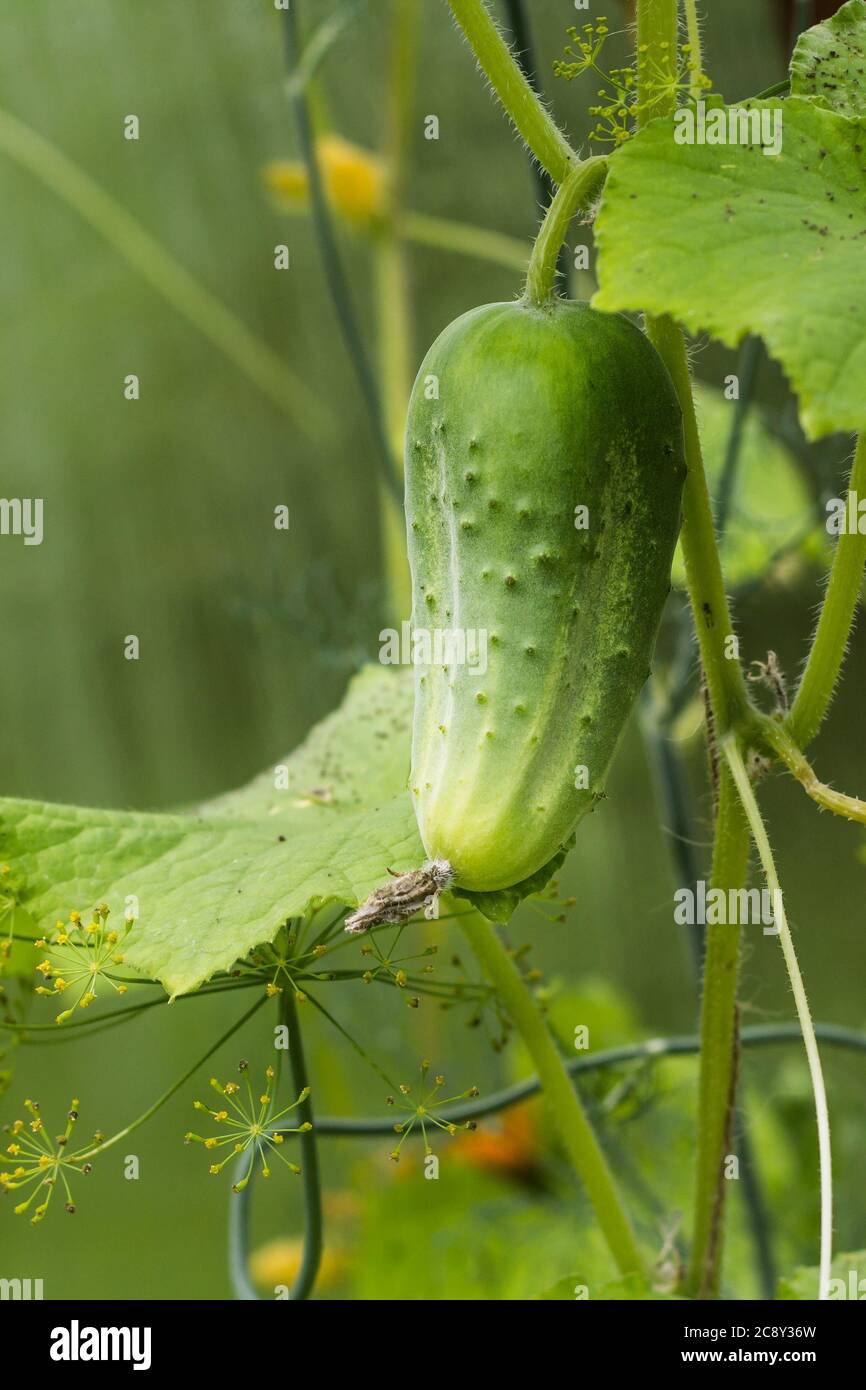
212, 886
829, 62
731, 241
771, 510
847, 1280
354, 759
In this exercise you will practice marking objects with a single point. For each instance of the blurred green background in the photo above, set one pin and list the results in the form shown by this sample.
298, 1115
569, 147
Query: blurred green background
159, 522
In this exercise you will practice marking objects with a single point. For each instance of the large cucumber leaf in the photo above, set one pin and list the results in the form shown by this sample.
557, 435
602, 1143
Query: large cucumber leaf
212, 885
731, 241
772, 513
829, 62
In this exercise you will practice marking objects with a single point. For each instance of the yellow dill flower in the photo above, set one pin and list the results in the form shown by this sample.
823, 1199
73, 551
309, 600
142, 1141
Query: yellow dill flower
79, 956
354, 180
42, 1161
253, 1125
423, 1112
278, 1261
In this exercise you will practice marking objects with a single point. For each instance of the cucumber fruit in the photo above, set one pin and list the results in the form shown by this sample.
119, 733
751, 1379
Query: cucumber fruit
520, 417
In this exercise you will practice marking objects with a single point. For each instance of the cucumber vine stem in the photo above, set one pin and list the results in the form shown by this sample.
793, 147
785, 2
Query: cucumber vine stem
574, 1127
306, 1276
778, 741
761, 1035
522, 104
657, 34
718, 1054
693, 30
732, 753
824, 663
576, 191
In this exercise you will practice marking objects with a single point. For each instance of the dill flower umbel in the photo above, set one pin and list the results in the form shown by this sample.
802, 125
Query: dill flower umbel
424, 1112
79, 955
35, 1159
665, 73
250, 1124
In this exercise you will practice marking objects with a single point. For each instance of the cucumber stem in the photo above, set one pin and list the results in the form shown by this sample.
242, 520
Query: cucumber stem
657, 35
577, 190
731, 750
718, 1046
522, 104
834, 625
575, 1130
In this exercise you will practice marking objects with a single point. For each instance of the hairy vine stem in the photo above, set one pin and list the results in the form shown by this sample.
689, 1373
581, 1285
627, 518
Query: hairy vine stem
576, 191
521, 102
734, 758
824, 664
716, 1096
657, 34
574, 1127
776, 738
657, 23
693, 30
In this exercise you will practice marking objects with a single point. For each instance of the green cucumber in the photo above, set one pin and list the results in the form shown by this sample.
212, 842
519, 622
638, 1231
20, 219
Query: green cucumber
519, 417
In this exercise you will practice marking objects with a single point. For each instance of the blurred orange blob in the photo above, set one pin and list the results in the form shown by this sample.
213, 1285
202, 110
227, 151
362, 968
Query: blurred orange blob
510, 1150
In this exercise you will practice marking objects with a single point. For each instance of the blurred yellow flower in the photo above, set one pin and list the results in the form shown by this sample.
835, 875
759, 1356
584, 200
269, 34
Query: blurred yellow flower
354, 180
277, 1262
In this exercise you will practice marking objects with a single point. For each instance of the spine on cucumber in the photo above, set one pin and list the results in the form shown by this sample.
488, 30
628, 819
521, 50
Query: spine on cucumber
544, 471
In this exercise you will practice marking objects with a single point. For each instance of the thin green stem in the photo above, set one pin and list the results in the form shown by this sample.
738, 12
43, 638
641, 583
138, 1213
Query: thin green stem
776, 738
306, 1276
761, 1035
520, 39
321, 42
819, 679
522, 104
463, 239
213, 319
574, 1127
393, 297
734, 758
167, 1095
693, 29
657, 34
712, 616
577, 190
114, 1016
747, 371
716, 1083
335, 273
